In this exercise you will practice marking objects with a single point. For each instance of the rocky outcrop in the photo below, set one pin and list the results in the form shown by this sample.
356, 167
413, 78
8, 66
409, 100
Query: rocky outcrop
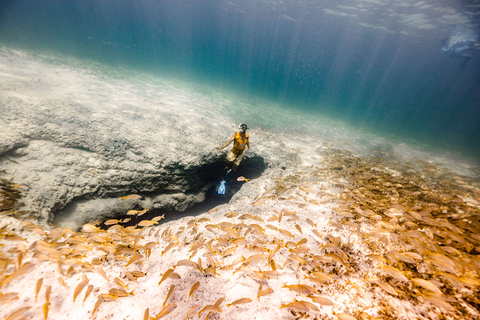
83, 139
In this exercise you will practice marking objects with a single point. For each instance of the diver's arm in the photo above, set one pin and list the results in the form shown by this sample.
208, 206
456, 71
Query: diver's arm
226, 143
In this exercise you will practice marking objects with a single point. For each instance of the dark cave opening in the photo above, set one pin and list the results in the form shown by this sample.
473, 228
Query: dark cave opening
208, 175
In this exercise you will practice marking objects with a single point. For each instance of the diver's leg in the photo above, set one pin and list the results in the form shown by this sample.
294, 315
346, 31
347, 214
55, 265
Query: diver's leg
228, 164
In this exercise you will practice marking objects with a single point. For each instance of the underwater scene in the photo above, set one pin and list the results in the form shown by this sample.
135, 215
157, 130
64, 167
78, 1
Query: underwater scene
256, 159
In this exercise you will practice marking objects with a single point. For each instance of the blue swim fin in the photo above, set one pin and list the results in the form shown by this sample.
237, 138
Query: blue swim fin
222, 188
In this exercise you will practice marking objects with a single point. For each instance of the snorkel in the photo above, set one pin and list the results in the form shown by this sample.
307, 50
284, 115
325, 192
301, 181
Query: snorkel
243, 127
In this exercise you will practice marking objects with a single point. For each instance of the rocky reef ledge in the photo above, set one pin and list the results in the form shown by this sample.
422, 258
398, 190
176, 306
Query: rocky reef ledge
80, 139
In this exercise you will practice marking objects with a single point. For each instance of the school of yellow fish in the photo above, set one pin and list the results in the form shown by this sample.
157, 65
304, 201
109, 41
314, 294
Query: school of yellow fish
351, 238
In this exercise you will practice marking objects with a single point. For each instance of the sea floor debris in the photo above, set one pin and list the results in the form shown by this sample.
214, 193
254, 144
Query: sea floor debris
347, 238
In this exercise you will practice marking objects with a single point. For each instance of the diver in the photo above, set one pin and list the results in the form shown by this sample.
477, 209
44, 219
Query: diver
461, 43
234, 157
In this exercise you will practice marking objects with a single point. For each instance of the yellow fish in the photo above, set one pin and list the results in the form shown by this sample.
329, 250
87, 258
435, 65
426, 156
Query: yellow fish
169, 294
301, 288
87, 293
297, 306
192, 310
112, 221
265, 292
210, 308
131, 196
239, 301
20, 271
165, 275
146, 223
45, 310
79, 288
193, 289
168, 309
37, 289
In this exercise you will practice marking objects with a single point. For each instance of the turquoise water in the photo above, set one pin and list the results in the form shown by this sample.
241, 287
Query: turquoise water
373, 65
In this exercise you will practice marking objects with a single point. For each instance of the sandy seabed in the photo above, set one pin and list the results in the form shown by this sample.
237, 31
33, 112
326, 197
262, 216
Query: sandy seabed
332, 235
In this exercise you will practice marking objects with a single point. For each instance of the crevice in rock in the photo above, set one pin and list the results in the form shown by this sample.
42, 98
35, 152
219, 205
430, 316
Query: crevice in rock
178, 192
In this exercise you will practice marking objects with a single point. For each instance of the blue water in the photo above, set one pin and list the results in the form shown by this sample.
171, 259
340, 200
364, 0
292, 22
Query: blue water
373, 64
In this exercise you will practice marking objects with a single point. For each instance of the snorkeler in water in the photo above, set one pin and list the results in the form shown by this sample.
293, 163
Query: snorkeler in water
234, 157
462, 43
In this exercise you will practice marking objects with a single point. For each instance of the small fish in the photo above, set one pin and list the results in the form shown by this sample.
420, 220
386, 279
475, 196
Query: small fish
165, 275
323, 300
385, 286
210, 308
394, 272
321, 276
315, 232
21, 186
168, 247
158, 218
6, 297
301, 288
90, 228
108, 297
256, 257
168, 309
45, 310
272, 227
188, 263
344, 316
97, 304
298, 228
297, 306
242, 178
37, 289
142, 212
310, 222
134, 259
193, 289
87, 293
125, 221
170, 292
438, 302
120, 283
228, 251
79, 288
239, 301
20, 271
102, 273
377, 258
219, 302
427, 285
230, 231
131, 196
265, 292
210, 271
48, 291
286, 233
230, 214
192, 310
309, 305
112, 221
120, 292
